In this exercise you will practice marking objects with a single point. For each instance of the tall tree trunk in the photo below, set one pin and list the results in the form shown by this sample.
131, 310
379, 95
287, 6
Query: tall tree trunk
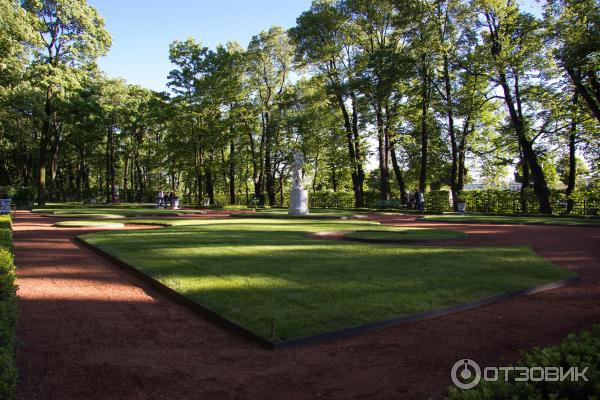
355, 161
398, 172
525, 184
451, 134
572, 157
231, 172
540, 187
383, 151
460, 179
591, 99
54, 147
334, 178
270, 175
256, 164
360, 173
43, 150
424, 133
107, 164
125, 177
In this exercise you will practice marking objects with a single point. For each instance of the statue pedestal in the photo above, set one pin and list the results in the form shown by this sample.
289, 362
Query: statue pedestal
298, 201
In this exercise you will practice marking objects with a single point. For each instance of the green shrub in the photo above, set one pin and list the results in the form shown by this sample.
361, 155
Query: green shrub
437, 200
5, 239
579, 351
585, 202
8, 312
5, 222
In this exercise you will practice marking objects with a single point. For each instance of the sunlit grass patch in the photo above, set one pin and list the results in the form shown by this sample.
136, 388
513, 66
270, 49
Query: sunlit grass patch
263, 271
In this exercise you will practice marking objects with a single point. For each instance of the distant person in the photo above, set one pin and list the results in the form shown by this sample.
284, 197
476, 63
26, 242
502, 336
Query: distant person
421, 201
171, 198
174, 201
160, 199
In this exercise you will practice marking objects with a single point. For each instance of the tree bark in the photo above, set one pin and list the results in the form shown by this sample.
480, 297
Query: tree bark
540, 186
572, 157
592, 101
231, 172
398, 172
383, 150
351, 129
270, 176
451, 133
43, 150
424, 133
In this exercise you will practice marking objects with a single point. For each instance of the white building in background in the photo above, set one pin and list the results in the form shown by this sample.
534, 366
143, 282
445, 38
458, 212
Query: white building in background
476, 186
512, 186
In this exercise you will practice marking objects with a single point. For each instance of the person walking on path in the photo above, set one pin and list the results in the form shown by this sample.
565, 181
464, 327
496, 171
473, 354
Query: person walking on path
160, 199
421, 201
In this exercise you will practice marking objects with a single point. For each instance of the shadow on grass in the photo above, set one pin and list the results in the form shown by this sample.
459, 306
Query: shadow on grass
306, 287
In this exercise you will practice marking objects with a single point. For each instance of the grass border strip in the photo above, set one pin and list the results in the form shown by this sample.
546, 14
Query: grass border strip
328, 336
447, 221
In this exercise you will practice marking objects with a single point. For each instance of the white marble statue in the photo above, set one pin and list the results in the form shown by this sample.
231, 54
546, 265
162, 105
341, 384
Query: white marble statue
298, 196
298, 164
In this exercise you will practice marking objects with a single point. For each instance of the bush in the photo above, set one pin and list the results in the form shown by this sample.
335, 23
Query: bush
8, 312
585, 202
579, 351
437, 200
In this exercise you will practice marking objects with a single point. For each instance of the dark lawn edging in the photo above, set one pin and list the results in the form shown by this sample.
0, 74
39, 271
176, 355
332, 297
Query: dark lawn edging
324, 337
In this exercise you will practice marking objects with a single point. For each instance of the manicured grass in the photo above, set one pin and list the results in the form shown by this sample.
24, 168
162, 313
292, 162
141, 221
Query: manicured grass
85, 215
256, 272
315, 213
107, 212
500, 219
409, 234
90, 223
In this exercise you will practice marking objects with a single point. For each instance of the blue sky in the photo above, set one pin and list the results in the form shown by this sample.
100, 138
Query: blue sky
143, 29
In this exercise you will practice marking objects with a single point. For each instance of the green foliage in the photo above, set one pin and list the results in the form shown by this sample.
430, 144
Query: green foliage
331, 200
355, 81
586, 201
437, 200
577, 350
8, 312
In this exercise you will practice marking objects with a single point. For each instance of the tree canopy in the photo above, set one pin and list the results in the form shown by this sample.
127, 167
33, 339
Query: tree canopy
383, 97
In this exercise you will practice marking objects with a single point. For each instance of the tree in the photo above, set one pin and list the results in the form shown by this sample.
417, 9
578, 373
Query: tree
574, 25
513, 40
73, 36
324, 42
270, 56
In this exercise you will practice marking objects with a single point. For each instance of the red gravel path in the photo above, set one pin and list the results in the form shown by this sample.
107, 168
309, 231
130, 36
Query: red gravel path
88, 330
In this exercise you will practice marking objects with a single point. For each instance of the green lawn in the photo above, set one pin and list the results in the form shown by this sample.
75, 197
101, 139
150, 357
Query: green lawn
259, 271
409, 234
315, 213
108, 212
84, 215
500, 219
90, 224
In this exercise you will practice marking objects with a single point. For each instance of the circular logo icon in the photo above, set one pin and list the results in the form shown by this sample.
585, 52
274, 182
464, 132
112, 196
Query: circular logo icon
466, 374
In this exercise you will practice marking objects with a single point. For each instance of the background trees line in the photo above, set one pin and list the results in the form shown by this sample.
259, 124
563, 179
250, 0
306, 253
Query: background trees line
428, 88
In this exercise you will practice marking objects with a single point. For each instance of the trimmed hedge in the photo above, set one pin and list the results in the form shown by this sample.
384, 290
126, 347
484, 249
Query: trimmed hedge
437, 200
8, 311
579, 351
585, 202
